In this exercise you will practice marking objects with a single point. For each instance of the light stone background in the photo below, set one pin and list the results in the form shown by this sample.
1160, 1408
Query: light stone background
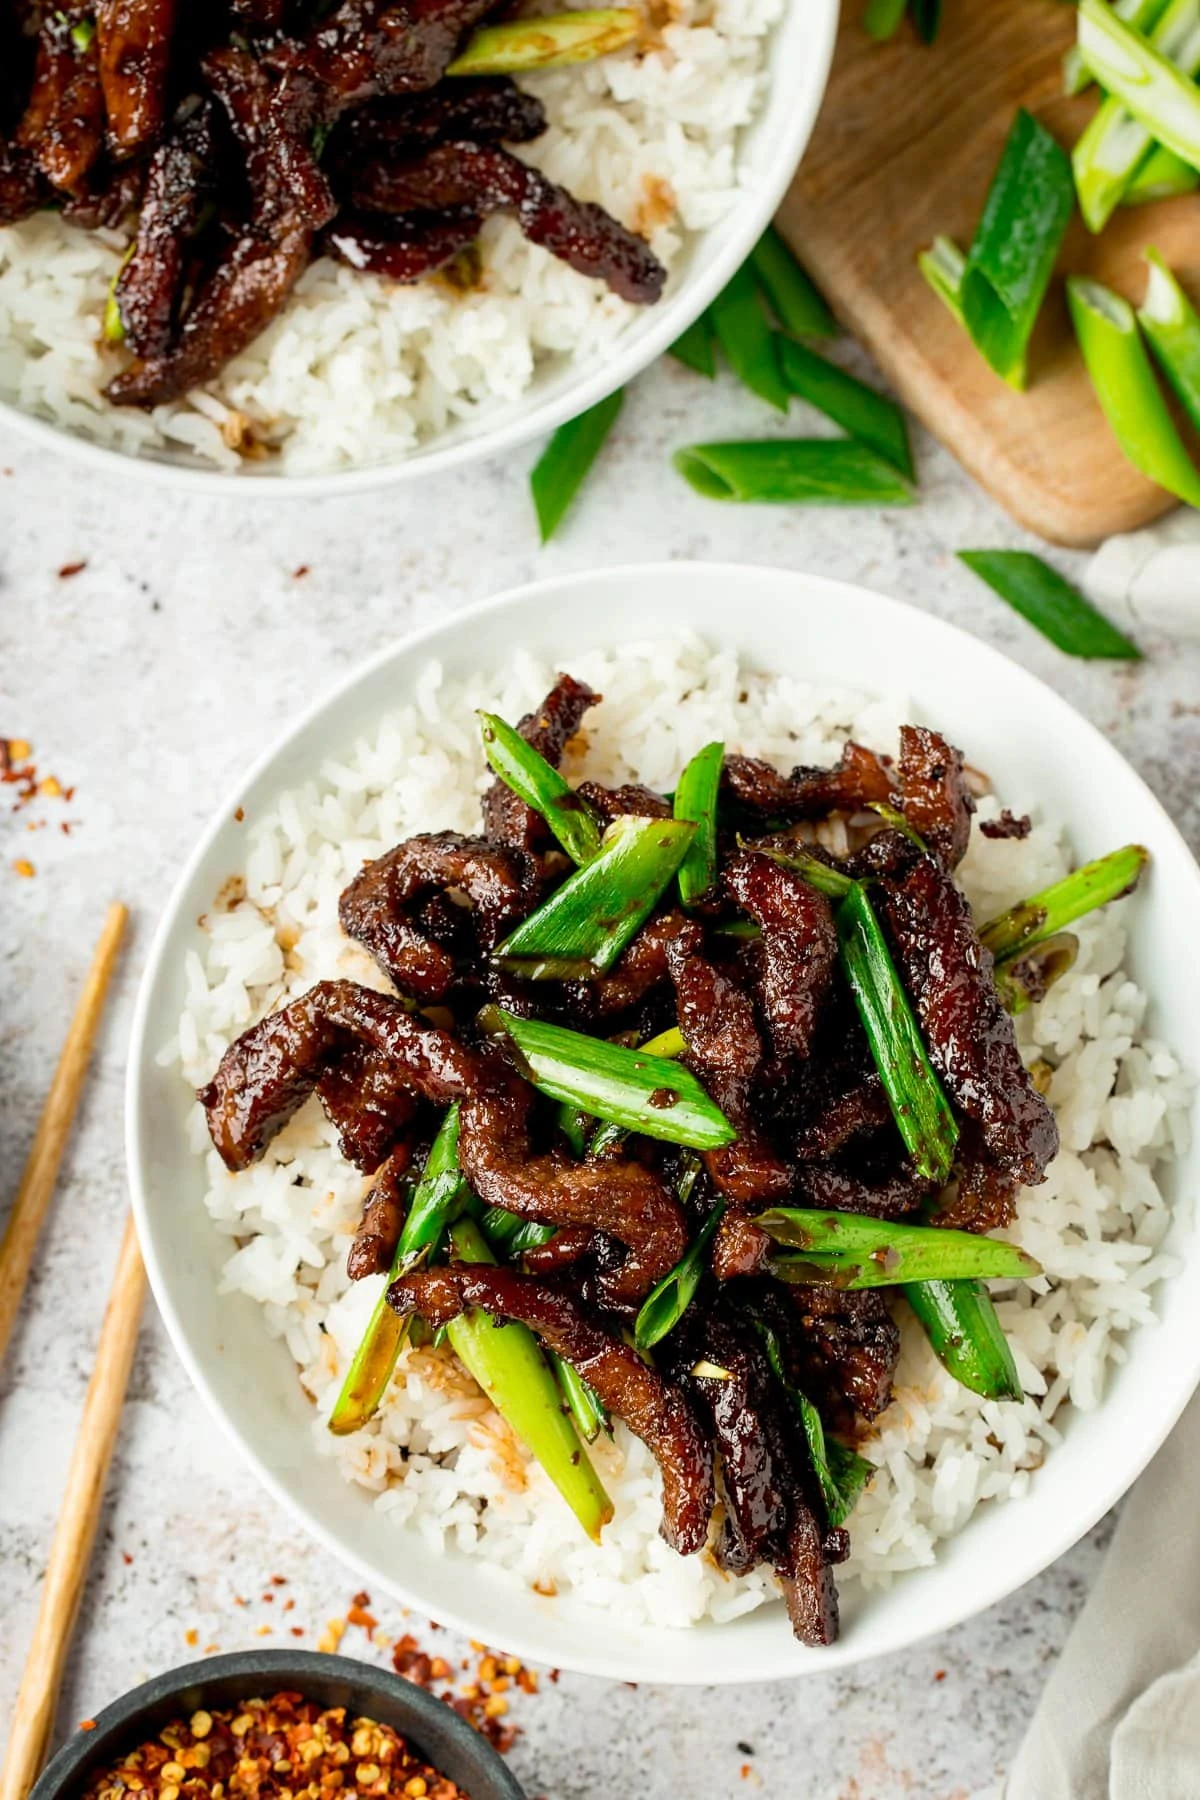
148, 680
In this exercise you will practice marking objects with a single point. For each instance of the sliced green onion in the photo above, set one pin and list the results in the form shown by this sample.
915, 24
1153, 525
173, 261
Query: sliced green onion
943, 265
583, 1402
650, 1094
1049, 602
1134, 71
511, 1233
868, 416
1028, 975
747, 341
112, 327
710, 1371
919, 1105
587, 922
670, 1042
508, 1365
1045, 914
835, 884
960, 1322
1126, 389
927, 17
1169, 320
849, 1250
1115, 143
896, 819
438, 1197
82, 35
841, 1473
1143, 15
549, 42
573, 1122
559, 471
826, 471
1161, 175
670, 1298
695, 348
794, 299
1011, 259
882, 18
696, 804
526, 771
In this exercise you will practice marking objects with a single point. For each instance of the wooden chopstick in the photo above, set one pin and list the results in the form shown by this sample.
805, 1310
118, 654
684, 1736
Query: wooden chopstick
41, 1171
66, 1570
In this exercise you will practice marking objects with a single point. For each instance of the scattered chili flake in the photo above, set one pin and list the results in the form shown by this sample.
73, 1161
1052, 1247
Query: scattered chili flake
126, 1557
279, 1580
191, 1636
72, 568
297, 1630
300, 573
239, 814
272, 1749
87, 1724
940, 1675
358, 1615
23, 866
331, 1637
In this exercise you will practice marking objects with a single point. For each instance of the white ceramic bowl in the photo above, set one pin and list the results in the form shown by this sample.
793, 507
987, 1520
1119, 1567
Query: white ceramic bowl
1031, 742
801, 49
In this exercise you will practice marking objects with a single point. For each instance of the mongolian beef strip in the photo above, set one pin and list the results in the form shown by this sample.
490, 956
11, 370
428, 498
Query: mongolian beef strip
179, 182
369, 1103
862, 1109
367, 48
490, 180
936, 800
489, 110
375, 1240
133, 39
625, 1385
859, 779
377, 909
63, 124
638, 971
265, 1076
799, 946
847, 1346
830, 1188
507, 819
807, 1582
21, 191
291, 202
717, 1022
970, 1037
631, 800
404, 249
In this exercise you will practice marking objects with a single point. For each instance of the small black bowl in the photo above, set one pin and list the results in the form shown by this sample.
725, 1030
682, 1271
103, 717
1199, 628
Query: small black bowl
447, 1742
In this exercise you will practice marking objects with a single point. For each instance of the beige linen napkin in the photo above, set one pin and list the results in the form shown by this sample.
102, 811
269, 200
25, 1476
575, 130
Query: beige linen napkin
1119, 1718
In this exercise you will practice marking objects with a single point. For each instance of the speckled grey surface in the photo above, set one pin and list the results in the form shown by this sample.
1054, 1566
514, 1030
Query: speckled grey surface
147, 680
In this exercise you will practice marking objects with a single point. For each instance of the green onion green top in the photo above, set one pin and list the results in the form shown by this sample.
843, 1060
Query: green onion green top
696, 804
526, 771
1049, 602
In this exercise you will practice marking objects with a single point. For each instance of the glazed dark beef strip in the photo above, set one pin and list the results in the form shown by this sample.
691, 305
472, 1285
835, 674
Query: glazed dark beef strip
638, 971
133, 41
936, 801
490, 110
632, 800
369, 1102
847, 1349
804, 1575
799, 946
739, 1248
717, 1021
378, 909
755, 1487
654, 1411
405, 249
550, 728
180, 181
21, 190
365, 49
1008, 825
829, 1187
63, 123
291, 202
862, 1110
568, 1245
970, 1037
984, 1197
859, 778
378, 1234
489, 179
110, 196
259, 16
268, 1073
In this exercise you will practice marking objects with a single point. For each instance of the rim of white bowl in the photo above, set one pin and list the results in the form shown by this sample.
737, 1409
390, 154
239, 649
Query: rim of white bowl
992, 1585
756, 206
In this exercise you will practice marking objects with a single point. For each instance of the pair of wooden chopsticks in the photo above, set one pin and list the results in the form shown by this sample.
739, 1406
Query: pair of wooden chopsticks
66, 1569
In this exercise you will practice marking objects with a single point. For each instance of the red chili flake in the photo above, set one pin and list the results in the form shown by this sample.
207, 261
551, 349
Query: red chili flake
239, 815
126, 1558
297, 1630
357, 1615
268, 1599
87, 1724
300, 573
69, 569
940, 1675
279, 1580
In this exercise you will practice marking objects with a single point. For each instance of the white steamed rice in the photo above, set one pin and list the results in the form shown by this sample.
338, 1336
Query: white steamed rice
436, 1455
357, 369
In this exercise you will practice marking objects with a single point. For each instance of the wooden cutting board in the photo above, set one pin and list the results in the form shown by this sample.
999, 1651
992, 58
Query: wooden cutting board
905, 148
